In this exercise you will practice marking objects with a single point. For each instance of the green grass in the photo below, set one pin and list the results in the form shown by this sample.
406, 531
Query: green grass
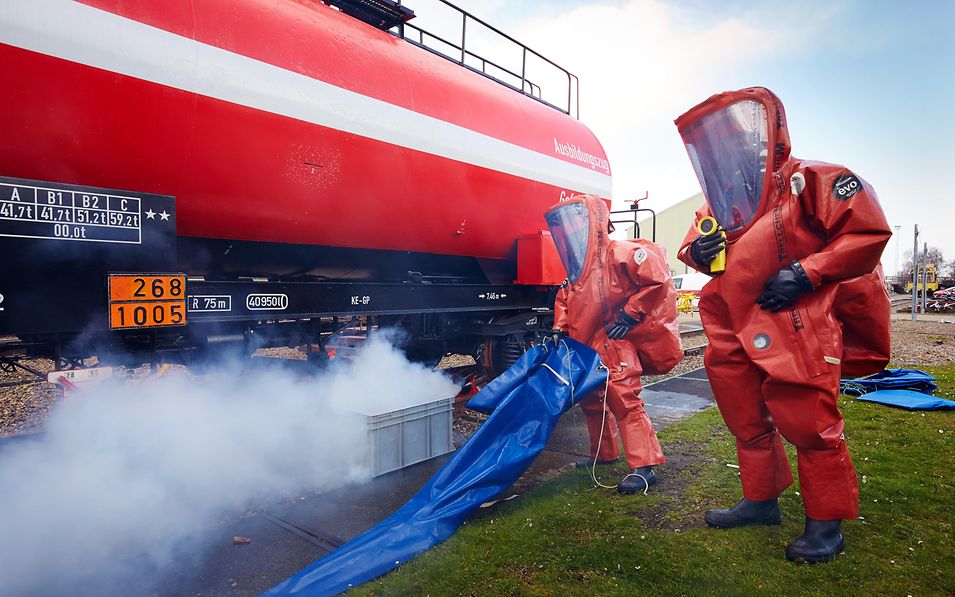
567, 538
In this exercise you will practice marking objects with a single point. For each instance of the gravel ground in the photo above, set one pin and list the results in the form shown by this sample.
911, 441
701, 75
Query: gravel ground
26, 403
689, 363
455, 360
296, 353
922, 343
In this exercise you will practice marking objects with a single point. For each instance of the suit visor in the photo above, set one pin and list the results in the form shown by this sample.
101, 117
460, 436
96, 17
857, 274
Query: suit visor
570, 228
728, 149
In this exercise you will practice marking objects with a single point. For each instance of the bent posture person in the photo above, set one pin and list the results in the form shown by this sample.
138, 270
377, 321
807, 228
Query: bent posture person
619, 299
800, 302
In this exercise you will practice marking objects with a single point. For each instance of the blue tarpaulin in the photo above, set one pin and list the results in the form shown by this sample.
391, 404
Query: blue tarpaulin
890, 379
905, 388
499, 389
526, 401
908, 399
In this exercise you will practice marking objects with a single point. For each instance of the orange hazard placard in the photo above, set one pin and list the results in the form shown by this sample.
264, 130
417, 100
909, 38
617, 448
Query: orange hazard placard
146, 288
144, 300
146, 315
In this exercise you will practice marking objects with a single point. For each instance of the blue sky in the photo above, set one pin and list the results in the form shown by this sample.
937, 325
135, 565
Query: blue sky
867, 84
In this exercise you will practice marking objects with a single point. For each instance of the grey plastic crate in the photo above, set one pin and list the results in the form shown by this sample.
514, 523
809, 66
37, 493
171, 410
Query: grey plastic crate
410, 435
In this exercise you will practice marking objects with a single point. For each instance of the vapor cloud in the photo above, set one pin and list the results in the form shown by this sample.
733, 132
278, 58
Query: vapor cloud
128, 473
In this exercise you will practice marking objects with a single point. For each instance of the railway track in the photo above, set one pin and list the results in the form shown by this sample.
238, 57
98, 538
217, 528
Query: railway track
903, 304
469, 376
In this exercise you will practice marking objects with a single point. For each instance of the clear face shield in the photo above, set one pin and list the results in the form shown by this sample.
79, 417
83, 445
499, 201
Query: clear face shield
570, 228
729, 152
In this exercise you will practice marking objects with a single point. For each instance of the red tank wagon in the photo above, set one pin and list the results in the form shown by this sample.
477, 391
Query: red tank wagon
326, 153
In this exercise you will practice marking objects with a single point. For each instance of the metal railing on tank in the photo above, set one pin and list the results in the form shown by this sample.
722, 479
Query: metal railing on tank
634, 210
505, 76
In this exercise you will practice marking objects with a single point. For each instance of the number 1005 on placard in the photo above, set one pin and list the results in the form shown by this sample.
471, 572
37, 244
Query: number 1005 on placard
144, 315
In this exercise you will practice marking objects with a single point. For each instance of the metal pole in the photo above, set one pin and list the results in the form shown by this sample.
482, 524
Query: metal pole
570, 91
524, 72
898, 244
401, 34
464, 33
924, 276
915, 273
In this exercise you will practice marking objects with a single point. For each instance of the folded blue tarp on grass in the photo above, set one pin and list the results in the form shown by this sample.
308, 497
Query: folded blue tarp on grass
526, 401
908, 399
905, 388
890, 379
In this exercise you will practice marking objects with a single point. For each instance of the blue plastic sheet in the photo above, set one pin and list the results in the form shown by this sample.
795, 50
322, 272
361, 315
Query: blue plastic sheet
502, 385
526, 401
908, 399
890, 379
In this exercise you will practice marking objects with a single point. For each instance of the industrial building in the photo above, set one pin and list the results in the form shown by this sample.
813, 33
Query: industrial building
672, 224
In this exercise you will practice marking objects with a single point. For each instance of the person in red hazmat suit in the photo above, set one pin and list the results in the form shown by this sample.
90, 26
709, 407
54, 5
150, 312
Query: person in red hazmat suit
619, 299
800, 302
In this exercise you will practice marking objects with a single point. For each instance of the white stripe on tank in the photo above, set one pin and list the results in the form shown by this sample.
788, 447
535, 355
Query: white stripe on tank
100, 39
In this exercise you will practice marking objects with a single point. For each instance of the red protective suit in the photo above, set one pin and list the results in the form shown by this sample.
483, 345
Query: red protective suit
779, 372
604, 278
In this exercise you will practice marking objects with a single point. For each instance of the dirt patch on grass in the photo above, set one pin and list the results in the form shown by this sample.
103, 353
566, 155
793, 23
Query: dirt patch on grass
521, 573
683, 468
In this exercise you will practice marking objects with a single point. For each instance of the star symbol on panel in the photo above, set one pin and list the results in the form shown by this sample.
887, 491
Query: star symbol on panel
163, 215
150, 215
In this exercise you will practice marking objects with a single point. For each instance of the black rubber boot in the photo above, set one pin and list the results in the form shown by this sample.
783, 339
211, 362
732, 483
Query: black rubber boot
589, 462
744, 513
820, 542
639, 480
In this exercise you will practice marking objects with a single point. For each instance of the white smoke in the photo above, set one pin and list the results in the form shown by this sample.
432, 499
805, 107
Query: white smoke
130, 472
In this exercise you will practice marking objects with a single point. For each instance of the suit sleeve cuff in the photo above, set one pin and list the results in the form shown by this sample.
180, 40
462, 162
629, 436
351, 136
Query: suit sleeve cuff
810, 278
636, 315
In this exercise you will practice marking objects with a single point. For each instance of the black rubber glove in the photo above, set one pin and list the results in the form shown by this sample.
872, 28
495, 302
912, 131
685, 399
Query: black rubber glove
782, 290
621, 327
555, 336
705, 248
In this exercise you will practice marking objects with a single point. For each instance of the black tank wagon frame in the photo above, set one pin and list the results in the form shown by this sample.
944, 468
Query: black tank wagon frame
93, 271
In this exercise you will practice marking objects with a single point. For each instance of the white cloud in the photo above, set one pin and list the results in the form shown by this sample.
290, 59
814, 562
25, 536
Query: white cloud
641, 63
639, 60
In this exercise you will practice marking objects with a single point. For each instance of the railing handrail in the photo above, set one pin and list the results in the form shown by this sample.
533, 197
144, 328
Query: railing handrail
633, 211
573, 83
484, 61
